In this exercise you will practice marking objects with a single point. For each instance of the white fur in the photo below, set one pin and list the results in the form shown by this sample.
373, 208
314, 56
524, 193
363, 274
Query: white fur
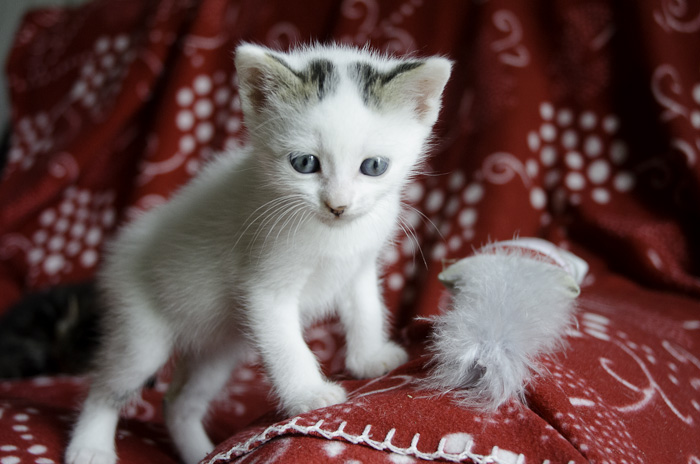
508, 310
248, 253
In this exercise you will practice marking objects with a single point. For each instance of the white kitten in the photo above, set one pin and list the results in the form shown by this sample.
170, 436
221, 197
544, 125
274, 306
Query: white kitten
265, 241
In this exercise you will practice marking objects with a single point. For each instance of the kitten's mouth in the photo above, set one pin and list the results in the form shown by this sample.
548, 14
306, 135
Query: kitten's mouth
336, 218
331, 219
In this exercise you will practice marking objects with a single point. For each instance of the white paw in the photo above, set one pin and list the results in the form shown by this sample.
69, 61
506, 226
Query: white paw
325, 394
90, 456
373, 364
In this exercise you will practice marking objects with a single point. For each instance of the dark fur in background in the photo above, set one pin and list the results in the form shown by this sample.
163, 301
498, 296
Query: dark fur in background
49, 332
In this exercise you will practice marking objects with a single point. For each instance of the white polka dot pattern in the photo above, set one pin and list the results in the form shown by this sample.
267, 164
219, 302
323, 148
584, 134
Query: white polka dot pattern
206, 107
66, 235
32, 139
580, 155
102, 74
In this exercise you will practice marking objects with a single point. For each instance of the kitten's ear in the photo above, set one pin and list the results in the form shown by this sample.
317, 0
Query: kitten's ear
260, 76
421, 87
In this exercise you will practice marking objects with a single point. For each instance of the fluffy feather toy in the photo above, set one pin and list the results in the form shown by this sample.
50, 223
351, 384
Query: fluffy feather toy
512, 303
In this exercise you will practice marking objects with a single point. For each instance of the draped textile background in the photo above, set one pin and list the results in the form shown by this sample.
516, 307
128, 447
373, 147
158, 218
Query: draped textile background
575, 121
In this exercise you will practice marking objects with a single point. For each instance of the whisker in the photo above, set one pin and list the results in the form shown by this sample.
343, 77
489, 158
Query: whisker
250, 220
426, 220
271, 214
295, 212
287, 209
411, 235
305, 214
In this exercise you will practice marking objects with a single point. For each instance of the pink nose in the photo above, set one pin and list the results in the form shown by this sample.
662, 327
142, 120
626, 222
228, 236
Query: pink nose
337, 210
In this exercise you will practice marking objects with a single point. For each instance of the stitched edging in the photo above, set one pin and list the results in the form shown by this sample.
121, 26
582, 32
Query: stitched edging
384, 445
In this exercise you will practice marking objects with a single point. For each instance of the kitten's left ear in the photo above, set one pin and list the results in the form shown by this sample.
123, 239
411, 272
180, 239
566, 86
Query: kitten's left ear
262, 76
421, 87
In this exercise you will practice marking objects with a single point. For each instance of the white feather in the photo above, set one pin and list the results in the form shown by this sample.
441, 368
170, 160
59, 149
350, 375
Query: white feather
509, 308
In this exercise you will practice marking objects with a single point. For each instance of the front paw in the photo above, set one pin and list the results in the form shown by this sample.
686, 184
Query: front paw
373, 364
320, 396
89, 456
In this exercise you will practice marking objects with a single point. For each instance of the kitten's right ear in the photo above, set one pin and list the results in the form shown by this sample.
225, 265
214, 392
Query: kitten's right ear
260, 76
420, 87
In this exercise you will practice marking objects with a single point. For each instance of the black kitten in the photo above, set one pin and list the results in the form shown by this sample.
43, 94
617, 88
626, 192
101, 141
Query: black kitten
49, 332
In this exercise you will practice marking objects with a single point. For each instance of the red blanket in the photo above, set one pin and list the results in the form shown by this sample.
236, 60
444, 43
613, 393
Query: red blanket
575, 121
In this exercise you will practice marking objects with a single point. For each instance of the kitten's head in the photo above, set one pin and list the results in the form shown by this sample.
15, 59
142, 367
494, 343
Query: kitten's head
339, 129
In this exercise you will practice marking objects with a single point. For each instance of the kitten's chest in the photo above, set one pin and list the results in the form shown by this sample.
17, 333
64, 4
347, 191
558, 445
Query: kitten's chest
321, 266
328, 280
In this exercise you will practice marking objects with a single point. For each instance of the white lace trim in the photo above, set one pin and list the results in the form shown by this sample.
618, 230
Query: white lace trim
496, 456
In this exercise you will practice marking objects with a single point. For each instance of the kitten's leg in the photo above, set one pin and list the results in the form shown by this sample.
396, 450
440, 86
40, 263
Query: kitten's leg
369, 351
196, 382
291, 366
127, 358
93, 435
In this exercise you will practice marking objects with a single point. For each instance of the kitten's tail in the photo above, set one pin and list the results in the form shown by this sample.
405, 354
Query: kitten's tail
510, 307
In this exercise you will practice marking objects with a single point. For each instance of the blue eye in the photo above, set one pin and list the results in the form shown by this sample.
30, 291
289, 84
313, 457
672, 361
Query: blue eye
374, 167
304, 163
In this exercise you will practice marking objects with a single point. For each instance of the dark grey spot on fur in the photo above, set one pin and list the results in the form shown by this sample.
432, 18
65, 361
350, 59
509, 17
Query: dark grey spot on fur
286, 65
366, 77
371, 81
400, 69
320, 78
322, 75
